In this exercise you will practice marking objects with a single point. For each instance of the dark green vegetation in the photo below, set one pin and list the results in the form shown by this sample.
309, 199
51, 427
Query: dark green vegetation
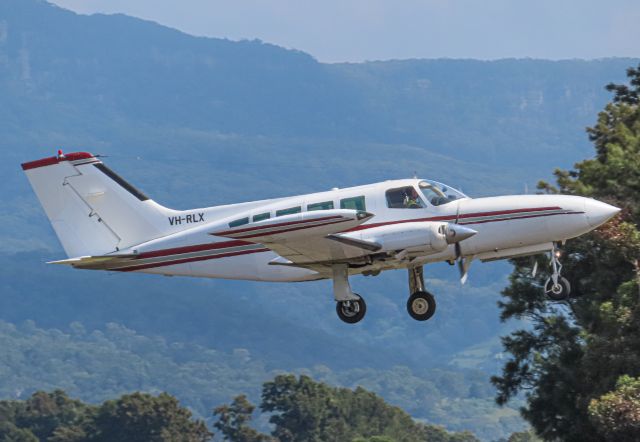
134, 417
300, 409
98, 365
578, 359
303, 410
197, 122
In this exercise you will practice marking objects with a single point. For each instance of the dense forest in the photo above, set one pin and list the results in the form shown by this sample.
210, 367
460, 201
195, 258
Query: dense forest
204, 121
301, 410
96, 365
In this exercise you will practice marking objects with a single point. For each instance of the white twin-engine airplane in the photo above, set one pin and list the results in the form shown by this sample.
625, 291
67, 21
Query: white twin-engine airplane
104, 223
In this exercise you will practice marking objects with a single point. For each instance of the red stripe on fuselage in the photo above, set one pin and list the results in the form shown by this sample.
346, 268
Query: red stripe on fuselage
195, 248
269, 226
277, 232
453, 217
522, 217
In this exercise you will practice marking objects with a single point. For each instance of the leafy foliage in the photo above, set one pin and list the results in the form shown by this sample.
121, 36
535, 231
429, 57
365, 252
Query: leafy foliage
304, 410
233, 421
616, 414
575, 351
137, 417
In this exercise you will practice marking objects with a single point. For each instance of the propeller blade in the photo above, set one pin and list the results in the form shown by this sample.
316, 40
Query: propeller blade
463, 264
534, 271
464, 277
455, 234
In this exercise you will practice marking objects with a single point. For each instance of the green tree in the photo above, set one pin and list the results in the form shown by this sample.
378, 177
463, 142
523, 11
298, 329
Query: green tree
304, 410
233, 421
141, 417
575, 351
616, 414
10, 433
524, 436
43, 413
55, 417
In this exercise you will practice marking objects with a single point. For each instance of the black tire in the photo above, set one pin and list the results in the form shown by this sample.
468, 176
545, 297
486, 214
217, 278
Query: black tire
351, 311
558, 292
421, 306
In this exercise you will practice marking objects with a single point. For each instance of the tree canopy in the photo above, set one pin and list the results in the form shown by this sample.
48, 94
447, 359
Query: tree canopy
301, 410
136, 417
576, 350
305, 410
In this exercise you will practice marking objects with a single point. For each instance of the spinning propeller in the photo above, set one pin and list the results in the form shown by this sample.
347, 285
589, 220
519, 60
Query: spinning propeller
462, 233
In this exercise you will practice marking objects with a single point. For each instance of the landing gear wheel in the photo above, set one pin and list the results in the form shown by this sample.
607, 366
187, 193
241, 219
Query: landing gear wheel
351, 311
421, 306
559, 291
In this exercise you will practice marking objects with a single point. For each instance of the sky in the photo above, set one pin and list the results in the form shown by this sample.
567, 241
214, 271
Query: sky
359, 30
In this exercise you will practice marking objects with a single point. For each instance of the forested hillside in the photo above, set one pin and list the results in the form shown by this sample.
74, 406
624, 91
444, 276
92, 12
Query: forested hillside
301, 410
202, 121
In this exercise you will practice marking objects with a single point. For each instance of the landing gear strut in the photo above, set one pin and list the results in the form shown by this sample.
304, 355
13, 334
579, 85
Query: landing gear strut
557, 287
421, 305
350, 306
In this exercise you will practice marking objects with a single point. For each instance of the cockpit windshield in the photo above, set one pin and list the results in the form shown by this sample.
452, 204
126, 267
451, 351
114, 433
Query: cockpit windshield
438, 194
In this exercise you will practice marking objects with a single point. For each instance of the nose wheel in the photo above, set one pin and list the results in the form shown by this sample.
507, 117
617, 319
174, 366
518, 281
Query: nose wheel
559, 290
557, 287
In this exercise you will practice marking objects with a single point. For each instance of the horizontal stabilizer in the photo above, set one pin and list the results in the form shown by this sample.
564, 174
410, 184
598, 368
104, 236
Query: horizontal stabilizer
103, 262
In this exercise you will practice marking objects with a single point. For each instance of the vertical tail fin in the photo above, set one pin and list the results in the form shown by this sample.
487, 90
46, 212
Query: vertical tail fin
93, 210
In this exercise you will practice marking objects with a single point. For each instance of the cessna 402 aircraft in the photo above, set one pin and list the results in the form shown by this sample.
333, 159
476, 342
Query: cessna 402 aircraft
104, 223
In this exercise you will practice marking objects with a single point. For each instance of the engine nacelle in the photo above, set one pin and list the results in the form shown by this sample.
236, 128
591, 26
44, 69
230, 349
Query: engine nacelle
421, 238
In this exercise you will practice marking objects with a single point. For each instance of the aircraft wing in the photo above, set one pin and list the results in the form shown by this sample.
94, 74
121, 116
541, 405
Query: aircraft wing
306, 239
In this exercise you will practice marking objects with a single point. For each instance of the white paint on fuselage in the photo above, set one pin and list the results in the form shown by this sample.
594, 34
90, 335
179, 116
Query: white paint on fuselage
492, 235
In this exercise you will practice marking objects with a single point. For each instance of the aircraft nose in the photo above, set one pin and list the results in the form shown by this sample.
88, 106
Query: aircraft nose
597, 212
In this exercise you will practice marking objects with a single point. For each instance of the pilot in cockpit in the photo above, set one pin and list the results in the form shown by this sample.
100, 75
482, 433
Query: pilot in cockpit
411, 199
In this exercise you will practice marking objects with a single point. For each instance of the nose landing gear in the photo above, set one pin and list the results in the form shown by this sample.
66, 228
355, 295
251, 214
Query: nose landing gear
557, 287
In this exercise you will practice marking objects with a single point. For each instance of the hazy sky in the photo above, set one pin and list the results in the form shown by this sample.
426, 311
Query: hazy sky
342, 30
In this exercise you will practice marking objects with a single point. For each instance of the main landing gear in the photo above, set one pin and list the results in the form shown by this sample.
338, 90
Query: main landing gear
351, 307
557, 287
421, 304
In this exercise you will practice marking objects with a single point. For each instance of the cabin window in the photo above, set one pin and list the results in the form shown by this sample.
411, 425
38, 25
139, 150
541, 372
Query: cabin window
355, 203
326, 205
289, 211
261, 216
239, 222
404, 198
